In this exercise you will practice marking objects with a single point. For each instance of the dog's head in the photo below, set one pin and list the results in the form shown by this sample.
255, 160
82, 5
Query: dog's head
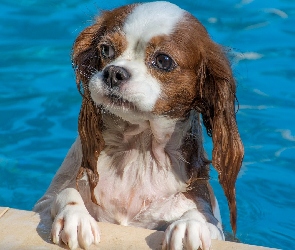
155, 59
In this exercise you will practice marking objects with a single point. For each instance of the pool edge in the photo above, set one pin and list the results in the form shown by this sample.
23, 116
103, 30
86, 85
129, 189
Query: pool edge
20, 229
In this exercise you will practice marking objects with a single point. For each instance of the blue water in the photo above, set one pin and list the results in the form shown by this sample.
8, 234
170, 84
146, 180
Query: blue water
39, 102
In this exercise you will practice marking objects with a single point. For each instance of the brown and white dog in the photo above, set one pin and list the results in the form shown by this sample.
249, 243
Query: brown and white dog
147, 72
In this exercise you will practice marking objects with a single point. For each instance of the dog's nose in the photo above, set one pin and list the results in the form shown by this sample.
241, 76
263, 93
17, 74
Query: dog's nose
114, 75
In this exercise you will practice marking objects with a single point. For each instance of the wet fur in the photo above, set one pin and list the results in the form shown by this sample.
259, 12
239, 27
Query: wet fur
213, 96
172, 173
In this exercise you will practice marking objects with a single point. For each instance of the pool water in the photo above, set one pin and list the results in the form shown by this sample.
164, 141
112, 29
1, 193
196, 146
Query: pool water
39, 103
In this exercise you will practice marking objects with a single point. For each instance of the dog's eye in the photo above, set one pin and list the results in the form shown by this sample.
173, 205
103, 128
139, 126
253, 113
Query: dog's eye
164, 62
107, 51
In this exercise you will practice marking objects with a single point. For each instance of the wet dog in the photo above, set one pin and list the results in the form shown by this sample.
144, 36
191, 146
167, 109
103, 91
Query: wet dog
148, 73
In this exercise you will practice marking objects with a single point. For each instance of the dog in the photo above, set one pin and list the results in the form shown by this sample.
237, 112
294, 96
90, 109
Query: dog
149, 75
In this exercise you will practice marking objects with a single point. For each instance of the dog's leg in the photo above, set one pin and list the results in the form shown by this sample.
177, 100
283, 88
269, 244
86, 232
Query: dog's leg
72, 224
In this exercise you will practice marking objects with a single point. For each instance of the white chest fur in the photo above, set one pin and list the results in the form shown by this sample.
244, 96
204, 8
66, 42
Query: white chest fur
134, 188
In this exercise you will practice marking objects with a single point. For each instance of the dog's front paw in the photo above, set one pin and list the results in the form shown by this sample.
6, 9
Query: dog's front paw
187, 234
75, 227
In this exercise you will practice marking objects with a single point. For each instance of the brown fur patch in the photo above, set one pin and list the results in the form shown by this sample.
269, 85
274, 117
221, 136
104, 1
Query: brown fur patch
179, 86
86, 55
72, 203
115, 39
61, 222
202, 81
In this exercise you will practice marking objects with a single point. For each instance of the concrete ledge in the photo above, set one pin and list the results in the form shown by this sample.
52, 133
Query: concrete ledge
23, 230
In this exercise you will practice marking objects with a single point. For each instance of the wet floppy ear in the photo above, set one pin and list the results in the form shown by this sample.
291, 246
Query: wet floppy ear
85, 57
86, 61
217, 105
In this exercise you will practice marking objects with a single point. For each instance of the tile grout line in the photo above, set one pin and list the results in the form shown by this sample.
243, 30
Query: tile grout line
3, 212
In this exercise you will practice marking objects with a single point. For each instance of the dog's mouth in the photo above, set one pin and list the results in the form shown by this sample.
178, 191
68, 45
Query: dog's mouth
118, 100
114, 97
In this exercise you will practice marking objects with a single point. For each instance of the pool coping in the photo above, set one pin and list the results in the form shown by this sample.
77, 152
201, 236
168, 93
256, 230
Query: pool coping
20, 229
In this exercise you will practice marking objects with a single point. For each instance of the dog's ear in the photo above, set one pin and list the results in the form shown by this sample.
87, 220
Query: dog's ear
85, 56
86, 61
216, 101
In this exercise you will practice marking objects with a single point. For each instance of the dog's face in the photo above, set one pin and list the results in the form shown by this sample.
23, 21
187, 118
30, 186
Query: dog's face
155, 59
148, 60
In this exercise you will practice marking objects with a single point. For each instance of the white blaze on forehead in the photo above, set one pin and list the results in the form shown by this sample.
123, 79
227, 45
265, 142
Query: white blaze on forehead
146, 21
152, 19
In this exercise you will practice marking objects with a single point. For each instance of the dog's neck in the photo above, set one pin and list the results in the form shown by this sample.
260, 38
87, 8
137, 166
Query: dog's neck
159, 138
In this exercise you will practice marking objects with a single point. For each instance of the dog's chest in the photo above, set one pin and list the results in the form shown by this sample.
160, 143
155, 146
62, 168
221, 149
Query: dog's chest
133, 186
125, 193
